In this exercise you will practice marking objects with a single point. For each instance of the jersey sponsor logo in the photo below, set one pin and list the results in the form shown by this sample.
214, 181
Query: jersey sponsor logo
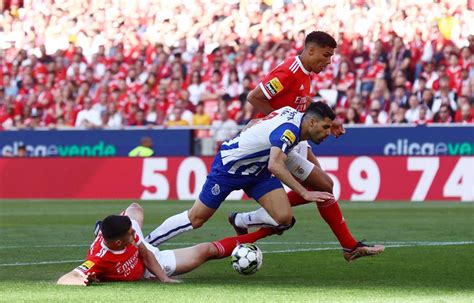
301, 103
299, 170
216, 189
274, 86
288, 137
84, 267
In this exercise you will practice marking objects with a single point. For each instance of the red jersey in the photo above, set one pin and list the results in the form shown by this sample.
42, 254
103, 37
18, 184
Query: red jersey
287, 85
110, 265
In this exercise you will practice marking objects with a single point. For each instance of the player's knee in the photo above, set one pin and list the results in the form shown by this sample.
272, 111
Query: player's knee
320, 182
137, 207
135, 212
283, 218
210, 251
197, 221
328, 184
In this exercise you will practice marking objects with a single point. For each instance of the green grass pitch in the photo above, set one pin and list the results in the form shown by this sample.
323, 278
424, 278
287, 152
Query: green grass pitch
429, 255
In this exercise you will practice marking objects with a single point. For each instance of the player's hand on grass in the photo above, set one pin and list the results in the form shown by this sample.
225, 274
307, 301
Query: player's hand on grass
170, 280
317, 196
89, 278
337, 129
92, 278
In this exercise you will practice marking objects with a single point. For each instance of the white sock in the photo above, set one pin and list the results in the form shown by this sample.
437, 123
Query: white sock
256, 218
170, 228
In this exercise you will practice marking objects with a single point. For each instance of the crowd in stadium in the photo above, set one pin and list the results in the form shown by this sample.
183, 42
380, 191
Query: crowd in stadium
110, 64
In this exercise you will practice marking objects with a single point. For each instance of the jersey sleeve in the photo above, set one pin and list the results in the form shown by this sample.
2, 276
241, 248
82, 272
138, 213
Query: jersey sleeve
275, 82
285, 137
88, 266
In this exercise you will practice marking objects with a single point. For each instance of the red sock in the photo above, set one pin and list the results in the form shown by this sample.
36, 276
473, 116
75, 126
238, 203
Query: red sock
331, 213
227, 245
296, 199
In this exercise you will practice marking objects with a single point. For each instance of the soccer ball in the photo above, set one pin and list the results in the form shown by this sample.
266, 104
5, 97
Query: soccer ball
246, 258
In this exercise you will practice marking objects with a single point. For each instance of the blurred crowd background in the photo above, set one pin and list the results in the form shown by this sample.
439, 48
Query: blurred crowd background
114, 63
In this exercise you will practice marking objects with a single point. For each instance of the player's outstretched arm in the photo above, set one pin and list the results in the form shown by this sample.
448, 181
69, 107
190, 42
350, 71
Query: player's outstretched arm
76, 278
153, 266
277, 166
259, 101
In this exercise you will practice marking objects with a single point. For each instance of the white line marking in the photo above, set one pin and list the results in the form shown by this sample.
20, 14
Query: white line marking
40, 263
394, 245
407, 244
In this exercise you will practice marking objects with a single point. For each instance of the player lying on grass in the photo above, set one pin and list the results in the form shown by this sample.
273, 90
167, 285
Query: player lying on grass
119, 253
255, 162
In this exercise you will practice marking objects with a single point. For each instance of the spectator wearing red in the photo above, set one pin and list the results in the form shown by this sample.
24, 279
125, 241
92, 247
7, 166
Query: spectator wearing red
359, 105
371, 70
352, 116
465, 114
345, 79
444, 115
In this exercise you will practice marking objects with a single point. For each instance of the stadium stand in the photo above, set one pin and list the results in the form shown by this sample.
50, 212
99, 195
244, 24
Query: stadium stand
112, 64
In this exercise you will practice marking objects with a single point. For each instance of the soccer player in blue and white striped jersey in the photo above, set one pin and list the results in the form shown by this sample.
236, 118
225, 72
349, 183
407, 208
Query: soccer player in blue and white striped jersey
255, 162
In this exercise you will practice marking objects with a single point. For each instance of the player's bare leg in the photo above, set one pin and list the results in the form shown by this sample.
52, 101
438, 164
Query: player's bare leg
190, 258
193, 218
135, 212
275, 213
199, 213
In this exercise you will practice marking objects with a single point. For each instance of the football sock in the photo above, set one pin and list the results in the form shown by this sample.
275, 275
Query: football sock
331, 213
170, 228
256, 218
227, 245
296, 199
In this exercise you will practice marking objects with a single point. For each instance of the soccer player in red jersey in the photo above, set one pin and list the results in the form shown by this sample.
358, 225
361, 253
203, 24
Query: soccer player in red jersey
288, 84
120, 253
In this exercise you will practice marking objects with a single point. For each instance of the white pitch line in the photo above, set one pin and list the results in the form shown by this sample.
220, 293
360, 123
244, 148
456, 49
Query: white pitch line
40, 263
408, 244
402, 244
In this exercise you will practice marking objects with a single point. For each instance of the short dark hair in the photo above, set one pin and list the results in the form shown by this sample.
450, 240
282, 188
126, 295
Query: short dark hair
114, 227
321, 110
321, 39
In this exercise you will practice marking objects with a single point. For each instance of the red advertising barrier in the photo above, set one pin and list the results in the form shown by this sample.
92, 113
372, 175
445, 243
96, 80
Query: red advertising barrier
355, 178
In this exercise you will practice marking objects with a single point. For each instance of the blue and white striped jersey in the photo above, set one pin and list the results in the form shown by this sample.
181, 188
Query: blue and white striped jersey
248, 153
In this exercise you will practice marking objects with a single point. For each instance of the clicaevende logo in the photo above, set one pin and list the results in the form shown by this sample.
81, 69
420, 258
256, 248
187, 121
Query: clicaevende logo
405, 147
101, 149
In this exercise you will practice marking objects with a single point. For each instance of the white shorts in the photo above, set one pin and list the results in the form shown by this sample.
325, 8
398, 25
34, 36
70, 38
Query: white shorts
165, 258
298, 163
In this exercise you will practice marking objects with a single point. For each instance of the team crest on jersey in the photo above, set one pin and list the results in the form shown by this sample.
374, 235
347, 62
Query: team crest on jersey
274, 86
216, 189
288, 137
86, 266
